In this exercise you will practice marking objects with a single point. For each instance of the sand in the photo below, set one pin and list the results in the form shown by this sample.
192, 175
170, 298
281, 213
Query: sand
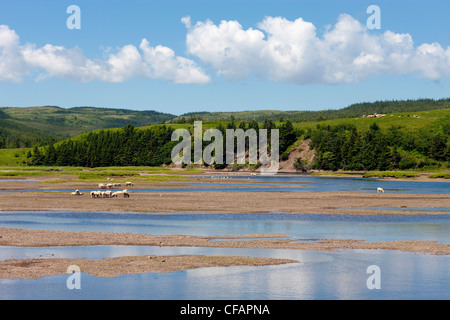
228, 202
111, 267
51, 238
223, 202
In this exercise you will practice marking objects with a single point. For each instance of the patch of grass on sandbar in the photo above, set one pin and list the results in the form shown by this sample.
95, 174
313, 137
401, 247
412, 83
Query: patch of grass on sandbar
442, 175
391, 174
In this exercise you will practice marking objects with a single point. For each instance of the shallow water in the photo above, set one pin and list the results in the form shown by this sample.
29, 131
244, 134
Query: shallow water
349, 184
317, 275
296, 226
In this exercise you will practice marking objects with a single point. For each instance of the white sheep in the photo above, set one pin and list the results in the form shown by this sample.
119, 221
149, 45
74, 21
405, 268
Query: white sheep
380, 190
107, 194
116, 184
102, 186
96, 194
110, 186
129, 184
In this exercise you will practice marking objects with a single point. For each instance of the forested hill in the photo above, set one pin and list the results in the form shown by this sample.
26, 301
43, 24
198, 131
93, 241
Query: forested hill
395, 141
39, 126
26, 127
352, 111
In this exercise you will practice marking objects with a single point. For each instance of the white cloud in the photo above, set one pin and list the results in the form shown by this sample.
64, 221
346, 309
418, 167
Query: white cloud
12, 66
291, 51
161, 63
229, 49
277, 49
16, 61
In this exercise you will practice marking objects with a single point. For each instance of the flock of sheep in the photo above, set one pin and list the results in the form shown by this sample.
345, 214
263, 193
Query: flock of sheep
108, 193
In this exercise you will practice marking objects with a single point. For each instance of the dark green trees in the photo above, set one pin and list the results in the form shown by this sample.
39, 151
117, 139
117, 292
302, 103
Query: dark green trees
124, 147
343, 147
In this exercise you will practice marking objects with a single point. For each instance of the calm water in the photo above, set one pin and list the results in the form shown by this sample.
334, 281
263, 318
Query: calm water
296, 226
317, 275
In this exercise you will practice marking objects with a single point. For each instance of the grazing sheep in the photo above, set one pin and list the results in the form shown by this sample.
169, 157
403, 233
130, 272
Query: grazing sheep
109, 185
115, 194
116, 184
129, 184
102, 186
77, 193
107, 194
380, 190
96, 194
125, 194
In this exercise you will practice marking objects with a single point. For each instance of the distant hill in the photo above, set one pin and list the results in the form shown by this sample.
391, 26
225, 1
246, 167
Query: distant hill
352, 111
24, 127
28, 127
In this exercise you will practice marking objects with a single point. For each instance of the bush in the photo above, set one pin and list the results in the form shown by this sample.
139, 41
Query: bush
407, 163
284, 156
300, 165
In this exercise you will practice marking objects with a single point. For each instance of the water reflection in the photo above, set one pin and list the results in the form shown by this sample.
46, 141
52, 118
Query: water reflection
296, 226
318, 275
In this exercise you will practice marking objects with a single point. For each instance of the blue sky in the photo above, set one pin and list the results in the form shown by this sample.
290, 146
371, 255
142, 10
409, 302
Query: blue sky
182, 56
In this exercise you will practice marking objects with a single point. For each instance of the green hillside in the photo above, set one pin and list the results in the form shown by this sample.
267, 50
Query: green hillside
405, 141
26, 127
416, 141
406, 135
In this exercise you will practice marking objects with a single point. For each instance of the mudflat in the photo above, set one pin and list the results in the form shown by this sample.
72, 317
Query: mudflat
51, 238
225, 202
109, 267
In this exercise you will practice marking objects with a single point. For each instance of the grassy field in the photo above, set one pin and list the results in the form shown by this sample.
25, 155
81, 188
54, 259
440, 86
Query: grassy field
118, 174
13, 157
405, 120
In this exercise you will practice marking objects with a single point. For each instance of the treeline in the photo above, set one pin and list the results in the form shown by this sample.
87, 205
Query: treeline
131, 147
343, 147
124, 147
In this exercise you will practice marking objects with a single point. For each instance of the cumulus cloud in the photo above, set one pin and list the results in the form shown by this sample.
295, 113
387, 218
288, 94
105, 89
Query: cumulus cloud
17, 61
276, 49
291, 51
12, 66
